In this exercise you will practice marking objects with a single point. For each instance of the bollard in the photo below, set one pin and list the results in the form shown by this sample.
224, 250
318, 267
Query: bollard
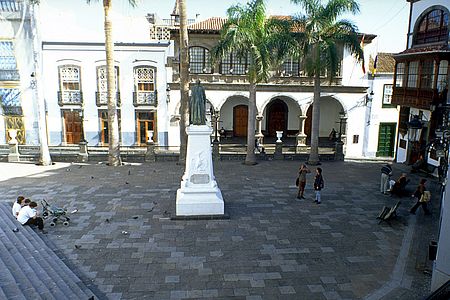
278, 151
339, 149
432, 250
150, 154
215, 153
83, 155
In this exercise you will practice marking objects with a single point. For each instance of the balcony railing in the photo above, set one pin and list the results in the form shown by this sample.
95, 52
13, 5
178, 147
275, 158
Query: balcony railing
145, 98
416, 97
9, 75
101, 98
12, 110
70, 98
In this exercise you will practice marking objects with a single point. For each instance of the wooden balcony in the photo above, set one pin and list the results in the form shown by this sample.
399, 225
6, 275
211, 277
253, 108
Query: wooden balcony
416, 97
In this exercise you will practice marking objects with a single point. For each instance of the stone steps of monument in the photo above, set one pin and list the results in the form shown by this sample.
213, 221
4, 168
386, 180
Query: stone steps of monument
35, 268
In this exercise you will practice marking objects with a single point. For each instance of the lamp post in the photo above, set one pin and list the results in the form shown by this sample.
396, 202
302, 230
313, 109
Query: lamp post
342, 121
415, 126
214, 122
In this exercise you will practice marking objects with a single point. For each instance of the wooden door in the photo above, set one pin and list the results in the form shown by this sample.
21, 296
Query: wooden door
277, 118
386, 137
73, 127
145, 123
240, 120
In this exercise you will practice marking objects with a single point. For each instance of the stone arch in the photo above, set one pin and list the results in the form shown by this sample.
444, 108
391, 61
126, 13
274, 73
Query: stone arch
227, 110
280, 112
330, 107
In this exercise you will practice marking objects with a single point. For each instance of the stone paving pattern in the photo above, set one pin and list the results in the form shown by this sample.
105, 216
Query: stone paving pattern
272, 247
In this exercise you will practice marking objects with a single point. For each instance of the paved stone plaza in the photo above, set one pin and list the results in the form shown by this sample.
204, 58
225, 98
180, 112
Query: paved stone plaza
273, 246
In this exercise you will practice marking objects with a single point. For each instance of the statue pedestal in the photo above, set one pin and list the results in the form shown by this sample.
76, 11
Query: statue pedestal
199, 194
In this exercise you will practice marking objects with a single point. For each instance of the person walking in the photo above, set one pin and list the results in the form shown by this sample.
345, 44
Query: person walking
302, 171
28, 216
423, 197
318, 184
386, 172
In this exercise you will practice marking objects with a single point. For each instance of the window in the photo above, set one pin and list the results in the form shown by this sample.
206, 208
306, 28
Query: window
427, 74
400, 75
387, 95
442, 76
355, 139
433, 27
291, 67
144, 86
413, 72
102, 88
199, 60
69, 85
234, 64
8, 65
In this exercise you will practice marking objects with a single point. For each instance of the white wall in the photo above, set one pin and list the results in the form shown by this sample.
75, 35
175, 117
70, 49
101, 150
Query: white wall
88, 57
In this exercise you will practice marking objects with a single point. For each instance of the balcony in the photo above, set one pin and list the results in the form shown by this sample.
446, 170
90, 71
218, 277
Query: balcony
12, 110
70, 98
416, 97
145, 98
101, 98
9, 75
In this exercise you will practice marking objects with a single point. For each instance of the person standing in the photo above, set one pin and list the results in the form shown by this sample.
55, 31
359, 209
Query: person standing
386, 172
423, 197
302, 171
318, 184
28, 216
17, 206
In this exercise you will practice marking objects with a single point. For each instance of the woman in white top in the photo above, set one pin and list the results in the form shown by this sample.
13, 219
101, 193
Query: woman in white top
17, 206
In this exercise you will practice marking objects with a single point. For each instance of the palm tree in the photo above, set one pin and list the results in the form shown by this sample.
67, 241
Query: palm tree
250, 34
184, 79
113, 124
320, 37
44, 153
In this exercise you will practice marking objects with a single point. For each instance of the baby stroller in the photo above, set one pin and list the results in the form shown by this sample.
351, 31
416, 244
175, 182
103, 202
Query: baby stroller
56, 213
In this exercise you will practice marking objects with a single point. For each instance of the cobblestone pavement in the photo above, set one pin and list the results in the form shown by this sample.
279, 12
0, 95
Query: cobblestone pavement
273, 246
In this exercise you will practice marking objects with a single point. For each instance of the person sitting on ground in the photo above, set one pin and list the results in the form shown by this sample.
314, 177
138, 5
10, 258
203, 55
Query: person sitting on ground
419, 164
17, 206
222, 132
399, 188
332, 135
28, 216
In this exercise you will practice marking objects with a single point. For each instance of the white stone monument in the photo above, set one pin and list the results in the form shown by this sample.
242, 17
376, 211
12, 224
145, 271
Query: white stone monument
199, 194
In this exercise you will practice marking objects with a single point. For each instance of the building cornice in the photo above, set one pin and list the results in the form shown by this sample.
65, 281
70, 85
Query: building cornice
276, 88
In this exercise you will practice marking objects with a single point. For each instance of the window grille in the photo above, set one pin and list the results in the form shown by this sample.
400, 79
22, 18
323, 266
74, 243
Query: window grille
199, 60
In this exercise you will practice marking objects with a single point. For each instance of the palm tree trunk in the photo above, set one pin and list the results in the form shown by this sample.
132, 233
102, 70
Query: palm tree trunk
314, 153
44, 153
250, 158
113, 126
184, 80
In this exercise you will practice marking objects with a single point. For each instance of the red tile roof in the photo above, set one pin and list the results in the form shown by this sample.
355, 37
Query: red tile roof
211, 24
385, 63
439, 48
